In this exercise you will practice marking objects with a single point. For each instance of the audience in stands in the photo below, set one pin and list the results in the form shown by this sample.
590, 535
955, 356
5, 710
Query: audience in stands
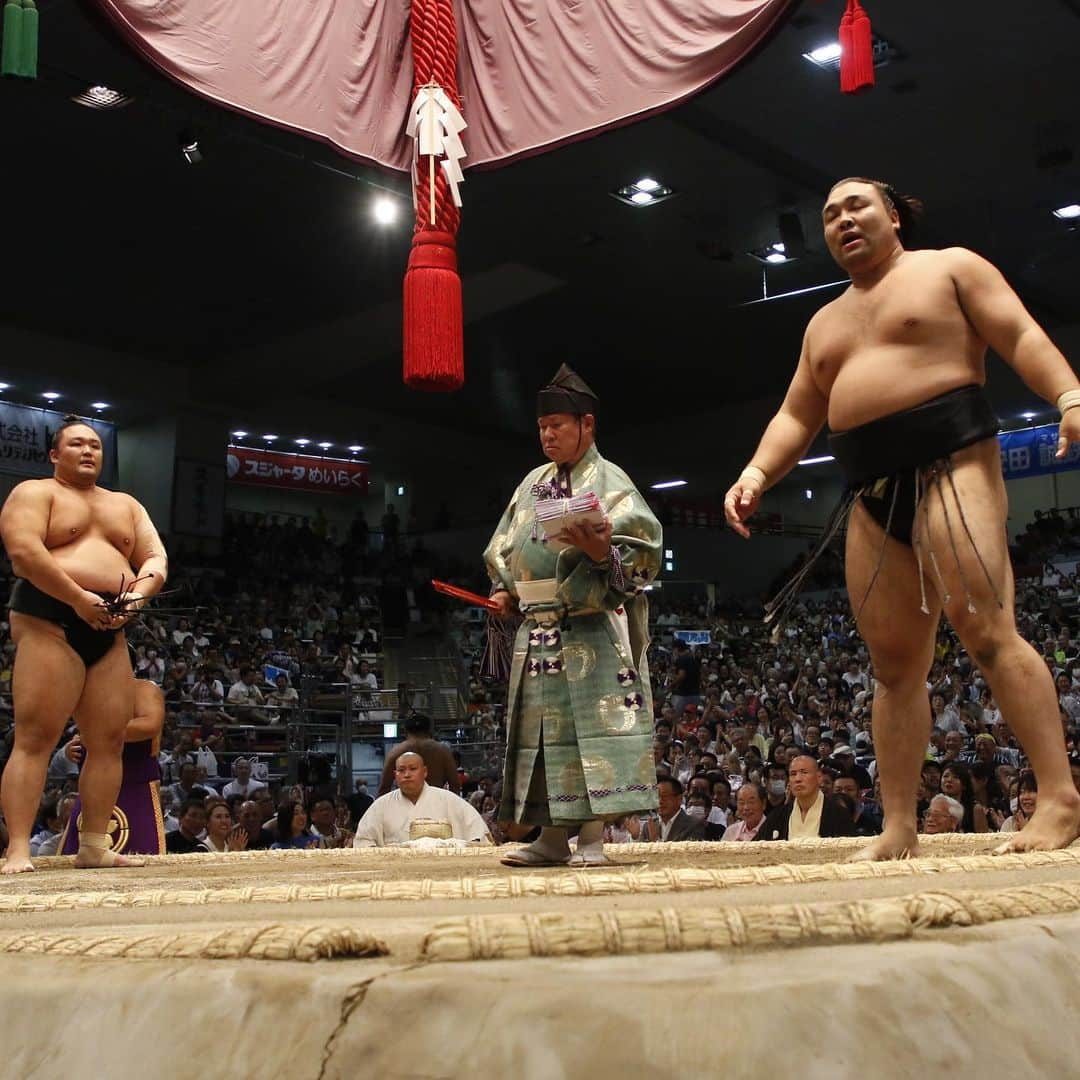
740, 721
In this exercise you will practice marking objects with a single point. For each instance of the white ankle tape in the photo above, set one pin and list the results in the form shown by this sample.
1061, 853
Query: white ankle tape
97, 840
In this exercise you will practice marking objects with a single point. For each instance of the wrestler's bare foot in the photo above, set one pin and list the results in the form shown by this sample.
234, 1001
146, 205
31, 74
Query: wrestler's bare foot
1055, 824
891, 844
18, 862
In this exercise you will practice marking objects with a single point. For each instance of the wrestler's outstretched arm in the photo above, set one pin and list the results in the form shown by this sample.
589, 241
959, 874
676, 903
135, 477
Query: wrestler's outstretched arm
24, 524
1001, 320
786, 439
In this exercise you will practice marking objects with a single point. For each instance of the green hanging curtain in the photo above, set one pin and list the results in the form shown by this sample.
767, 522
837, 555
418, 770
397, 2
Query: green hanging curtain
19, 51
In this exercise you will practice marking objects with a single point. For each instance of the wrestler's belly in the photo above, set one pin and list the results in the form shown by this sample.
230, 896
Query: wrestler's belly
885, 380
94, 563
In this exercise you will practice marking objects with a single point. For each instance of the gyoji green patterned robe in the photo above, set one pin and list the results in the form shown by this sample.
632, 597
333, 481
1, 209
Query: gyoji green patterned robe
580, 711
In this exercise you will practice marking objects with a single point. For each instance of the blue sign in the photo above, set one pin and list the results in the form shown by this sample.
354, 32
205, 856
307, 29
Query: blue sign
270, 673
694, 637
1030, 452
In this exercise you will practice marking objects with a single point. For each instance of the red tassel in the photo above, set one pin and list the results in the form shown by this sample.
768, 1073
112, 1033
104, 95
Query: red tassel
856, 50
433, 332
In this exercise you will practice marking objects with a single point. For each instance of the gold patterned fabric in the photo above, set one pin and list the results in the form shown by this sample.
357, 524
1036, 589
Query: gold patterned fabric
579, 739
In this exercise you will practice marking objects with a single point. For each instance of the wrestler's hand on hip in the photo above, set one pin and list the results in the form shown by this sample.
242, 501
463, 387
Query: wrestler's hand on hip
1068, 431
741, 503
93, 611
507, 604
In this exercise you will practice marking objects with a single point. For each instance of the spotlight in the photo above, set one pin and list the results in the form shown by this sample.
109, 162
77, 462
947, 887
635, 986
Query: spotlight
777, 253
355, 449
384, 210
643, 192
1068, 213
817, 460
5, 386
101, 97
99, 405
824, 55
1027, 416
188, 142
269, 438
302, 442
668, 484
50, 395
239, 434
325, 445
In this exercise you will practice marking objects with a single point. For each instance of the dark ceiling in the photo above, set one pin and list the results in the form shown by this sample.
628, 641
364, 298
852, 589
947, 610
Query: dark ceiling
257, 278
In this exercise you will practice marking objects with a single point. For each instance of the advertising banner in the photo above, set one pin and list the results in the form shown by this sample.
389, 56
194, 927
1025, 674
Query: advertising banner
1030, 452
299, 472
26, 435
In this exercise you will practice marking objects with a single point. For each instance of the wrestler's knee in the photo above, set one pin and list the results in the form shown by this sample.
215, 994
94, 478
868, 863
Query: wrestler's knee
37, 740
104, 742
983, 636
895, 666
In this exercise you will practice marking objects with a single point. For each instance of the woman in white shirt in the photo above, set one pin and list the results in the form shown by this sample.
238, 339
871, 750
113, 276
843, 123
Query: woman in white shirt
221, 834
1024, 807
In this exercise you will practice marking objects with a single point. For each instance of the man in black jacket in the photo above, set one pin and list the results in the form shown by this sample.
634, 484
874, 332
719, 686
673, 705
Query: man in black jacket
809, 813
673, 823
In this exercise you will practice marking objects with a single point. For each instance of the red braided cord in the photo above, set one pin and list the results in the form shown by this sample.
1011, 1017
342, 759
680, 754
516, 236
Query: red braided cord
434, 43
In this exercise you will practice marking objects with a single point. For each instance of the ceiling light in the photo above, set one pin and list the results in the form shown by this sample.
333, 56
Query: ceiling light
774, 253
302, 442
188, 142
239, 434
824, 55
668, 484
50, 395
355, 449
1027, 415
827, 56
325, 445
270, 438
99, 405
817, 460
643, 192
384, 210
5, 386
1068, 213
101, 97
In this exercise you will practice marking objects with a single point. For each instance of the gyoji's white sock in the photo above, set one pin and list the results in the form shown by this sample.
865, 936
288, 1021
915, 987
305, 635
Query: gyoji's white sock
590, 841
551, 843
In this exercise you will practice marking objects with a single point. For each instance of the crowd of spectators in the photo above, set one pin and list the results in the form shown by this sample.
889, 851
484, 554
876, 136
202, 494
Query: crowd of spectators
745, 712
286, 605
746, 728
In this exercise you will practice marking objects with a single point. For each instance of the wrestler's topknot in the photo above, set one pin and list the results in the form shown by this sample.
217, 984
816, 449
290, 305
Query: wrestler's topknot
908, 208
70, 420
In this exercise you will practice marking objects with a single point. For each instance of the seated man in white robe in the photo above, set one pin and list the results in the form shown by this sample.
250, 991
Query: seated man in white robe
388, 819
